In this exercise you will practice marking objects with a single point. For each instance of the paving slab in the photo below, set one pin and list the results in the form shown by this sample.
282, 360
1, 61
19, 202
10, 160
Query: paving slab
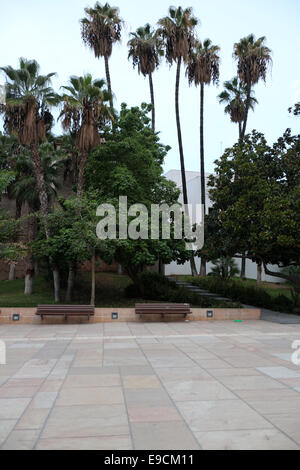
156, 386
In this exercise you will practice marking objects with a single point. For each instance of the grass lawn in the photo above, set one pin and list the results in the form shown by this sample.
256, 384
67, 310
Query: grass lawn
109, 292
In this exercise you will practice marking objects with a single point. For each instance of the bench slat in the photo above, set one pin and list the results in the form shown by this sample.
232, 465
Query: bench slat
65, 310
162, 309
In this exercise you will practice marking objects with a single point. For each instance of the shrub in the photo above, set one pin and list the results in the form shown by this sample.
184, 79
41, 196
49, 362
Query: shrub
249, 295
225, 268
158, 288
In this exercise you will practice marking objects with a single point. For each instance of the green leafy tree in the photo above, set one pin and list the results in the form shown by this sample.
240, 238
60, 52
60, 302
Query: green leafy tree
256, 201
130, 164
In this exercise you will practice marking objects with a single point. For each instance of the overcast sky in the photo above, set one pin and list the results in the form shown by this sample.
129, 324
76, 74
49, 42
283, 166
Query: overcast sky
49, 31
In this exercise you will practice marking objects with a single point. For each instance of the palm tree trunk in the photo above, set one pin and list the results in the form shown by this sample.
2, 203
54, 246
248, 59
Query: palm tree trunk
248, 100
108, 79
29, 275
93, 289
18, 209
152, 101
202, 166
182, 164
240, 130
82, 165
44, 210
12, 265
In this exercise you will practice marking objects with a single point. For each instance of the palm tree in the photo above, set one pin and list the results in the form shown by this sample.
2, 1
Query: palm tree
253, 58
100, 30
84, 111
24, 189
145, 49
177, 34
28, 98
203, 69
235, 97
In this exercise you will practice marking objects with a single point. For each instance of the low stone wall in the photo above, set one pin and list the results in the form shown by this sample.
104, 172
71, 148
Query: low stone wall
104, 315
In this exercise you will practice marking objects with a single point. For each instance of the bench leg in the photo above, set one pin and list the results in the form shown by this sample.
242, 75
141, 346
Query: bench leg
66, 317
42, 317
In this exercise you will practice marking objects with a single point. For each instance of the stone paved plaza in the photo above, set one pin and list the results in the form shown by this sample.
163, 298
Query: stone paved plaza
157, 386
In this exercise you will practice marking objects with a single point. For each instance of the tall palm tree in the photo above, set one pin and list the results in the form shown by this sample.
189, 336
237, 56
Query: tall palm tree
203, 69
177, 33
100, 30
253, 58
84, 111
24, 189
28, 98
235, 97
145, 49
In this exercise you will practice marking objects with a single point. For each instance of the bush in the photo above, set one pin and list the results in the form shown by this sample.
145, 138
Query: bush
225, 268
158, 288
249, 295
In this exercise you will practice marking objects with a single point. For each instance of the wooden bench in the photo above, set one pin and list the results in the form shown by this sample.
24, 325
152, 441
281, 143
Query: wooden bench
65, 311
163, 309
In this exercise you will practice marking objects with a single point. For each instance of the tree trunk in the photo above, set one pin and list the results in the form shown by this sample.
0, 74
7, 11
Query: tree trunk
108, 80
243, 268
93, 289
152, 101
28, 284
82, 165
71, 279
18, 209
259, 273
56, 279
36, 268
12, 270
203, 271
182, 164
240, 130
29, 277
202, 167
41, 187
120, 269
44, 210
248, 100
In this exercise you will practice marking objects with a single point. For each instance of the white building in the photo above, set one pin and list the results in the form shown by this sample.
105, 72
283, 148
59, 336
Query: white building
194, 197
